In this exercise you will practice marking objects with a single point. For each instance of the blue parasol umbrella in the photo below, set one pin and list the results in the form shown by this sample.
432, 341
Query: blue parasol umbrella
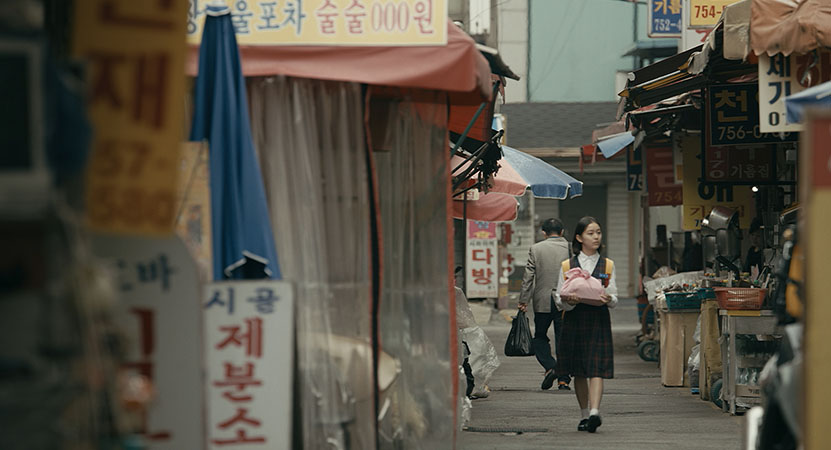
243, 243
545, 180
819, 96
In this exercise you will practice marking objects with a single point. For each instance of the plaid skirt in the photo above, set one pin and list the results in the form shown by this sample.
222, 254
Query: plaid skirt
585, 347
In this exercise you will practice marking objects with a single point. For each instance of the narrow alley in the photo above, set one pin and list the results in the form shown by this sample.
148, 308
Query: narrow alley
638, 412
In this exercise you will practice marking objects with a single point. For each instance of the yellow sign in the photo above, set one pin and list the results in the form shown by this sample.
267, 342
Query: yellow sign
700, 198
330, 22
135, 53
705, 13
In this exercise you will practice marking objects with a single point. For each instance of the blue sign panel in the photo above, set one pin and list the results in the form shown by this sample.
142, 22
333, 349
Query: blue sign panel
634, 168
665, 18
733, 111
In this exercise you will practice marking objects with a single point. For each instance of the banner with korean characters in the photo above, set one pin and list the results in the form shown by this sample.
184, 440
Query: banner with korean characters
781, 76
700, 197
330, 22
733, 116
134, 52
249, 361
740, 165
482, 268
660, 175
157, 288
665, 19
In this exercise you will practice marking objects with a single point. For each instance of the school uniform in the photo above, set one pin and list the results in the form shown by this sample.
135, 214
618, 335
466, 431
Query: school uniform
586, 348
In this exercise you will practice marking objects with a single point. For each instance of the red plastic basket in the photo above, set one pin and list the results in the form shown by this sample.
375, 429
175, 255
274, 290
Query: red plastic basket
740, 298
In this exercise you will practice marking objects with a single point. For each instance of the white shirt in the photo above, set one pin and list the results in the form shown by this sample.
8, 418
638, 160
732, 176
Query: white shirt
589, 263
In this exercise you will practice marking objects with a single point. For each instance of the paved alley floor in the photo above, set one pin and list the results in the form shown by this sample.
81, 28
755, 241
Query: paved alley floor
638, 412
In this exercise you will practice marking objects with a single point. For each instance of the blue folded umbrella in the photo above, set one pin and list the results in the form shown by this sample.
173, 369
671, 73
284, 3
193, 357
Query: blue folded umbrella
243, 243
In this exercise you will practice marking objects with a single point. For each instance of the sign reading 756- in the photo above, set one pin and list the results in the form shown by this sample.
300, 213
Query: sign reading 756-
733, 111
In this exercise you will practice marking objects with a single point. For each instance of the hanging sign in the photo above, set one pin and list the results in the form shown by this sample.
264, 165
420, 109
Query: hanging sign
634, 168
135, 53
482, 260
660, 175
691, 36
700, 197
330, 22
249, 333
744, 165
157, 287
665, 19
733, 111
781, 76
706, 13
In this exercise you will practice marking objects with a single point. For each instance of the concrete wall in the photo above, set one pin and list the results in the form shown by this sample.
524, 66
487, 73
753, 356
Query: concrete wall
575, 48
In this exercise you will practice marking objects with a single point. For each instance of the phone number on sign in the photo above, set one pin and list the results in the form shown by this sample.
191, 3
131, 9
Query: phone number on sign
733, 132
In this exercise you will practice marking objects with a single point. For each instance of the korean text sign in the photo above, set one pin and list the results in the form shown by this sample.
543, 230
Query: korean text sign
733, 111
665, 18
634, 168
781, 76
158, 311
249, 342
330, 22
701, 197
482, 259
135, 53
748, 165
660, 176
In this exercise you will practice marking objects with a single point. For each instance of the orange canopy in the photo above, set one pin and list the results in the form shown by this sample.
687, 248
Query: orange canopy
789, 26
456, 67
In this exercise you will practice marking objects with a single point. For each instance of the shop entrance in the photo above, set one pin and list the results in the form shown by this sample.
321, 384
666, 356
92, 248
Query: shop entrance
591, 203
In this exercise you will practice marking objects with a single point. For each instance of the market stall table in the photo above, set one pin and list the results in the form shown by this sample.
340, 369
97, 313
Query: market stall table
738, 391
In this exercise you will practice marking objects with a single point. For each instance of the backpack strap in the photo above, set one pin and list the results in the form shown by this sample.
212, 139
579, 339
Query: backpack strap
610, 265
566, 266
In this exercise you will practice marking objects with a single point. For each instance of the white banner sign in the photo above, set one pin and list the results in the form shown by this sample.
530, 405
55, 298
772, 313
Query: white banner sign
249, 332
482, 260
158, 309
781, 76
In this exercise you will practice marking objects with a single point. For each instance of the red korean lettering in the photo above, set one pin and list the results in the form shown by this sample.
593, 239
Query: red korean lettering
482, 276
424, 16
241, 417
251, 339
326, 15
483, 255
356, 13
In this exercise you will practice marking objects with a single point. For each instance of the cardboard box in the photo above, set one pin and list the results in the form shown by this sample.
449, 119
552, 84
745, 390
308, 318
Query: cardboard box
677, 332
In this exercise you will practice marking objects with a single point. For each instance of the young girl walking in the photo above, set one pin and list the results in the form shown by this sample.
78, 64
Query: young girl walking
585, 351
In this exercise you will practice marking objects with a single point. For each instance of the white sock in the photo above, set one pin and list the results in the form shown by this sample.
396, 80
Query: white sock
595, 412
585, 413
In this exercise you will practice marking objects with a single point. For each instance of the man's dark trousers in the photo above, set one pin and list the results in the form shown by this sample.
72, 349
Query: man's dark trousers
541, 344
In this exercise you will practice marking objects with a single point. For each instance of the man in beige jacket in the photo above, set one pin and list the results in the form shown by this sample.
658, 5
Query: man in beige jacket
539, 282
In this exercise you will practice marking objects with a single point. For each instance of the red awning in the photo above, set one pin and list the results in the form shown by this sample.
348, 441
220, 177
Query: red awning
456, 67
789, 26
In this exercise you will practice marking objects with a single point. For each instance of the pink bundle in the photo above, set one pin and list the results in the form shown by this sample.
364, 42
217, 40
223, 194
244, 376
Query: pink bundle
580, 283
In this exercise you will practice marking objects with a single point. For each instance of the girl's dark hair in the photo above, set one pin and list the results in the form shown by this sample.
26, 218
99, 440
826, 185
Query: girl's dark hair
581, 226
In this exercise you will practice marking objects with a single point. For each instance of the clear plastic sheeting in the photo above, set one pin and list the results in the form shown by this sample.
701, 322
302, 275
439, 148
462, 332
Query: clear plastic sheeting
310, 140
415, 316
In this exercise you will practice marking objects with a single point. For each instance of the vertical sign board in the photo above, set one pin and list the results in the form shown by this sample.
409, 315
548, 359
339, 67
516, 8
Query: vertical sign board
665, 19
733, 111
660, 176
249, 358
634, 168
691, 36
135, 53
706, 13
482, 260
781, 76
330, 22
740, 165
815, 241
701, 197
158, 308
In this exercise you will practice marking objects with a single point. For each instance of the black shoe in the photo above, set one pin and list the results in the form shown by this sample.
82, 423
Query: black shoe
548, 381
563, 386
584, 425
593, 423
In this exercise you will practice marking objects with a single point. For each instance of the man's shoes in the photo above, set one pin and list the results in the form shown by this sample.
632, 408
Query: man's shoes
548, 381
593, 423
584, 425
563, 386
